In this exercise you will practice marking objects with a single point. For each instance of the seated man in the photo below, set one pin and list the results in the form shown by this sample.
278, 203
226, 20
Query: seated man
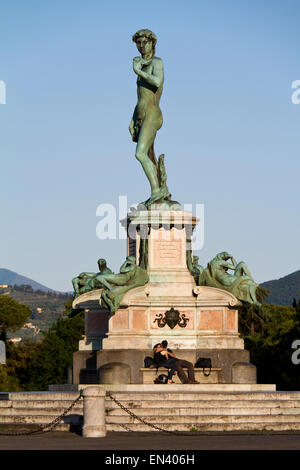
162, 359
179, 365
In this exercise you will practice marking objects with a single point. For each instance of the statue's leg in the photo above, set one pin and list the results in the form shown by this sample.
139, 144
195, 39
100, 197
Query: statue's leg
146, 139
108, 302
102, 279
116, 279
75, 285
252, 290
242, 270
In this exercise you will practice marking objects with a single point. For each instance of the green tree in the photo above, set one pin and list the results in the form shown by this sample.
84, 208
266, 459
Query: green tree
56, 353
251, 319
271, 347
13, 315
20, 358
7, 382
39, 364
296, 304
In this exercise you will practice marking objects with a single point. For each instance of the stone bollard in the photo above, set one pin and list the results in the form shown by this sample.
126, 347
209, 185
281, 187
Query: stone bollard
243, 373
94, 412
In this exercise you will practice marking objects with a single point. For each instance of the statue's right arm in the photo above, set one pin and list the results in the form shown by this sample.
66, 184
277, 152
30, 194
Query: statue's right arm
157, 77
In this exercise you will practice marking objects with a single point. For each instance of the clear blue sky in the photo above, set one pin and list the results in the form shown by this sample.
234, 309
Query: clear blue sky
230, 133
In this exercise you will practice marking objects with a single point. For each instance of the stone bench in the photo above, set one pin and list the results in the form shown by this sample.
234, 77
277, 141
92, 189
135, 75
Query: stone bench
148, 375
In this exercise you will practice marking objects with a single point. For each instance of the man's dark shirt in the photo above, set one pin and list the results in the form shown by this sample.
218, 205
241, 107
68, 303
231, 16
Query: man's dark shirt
161, 359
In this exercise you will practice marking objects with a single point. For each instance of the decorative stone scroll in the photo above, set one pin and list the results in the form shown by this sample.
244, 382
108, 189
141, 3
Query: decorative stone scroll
171, 318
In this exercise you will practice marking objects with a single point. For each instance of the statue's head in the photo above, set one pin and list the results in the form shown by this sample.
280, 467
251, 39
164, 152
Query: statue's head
131, 259
145, 41
195, 259
101, 263
224, 255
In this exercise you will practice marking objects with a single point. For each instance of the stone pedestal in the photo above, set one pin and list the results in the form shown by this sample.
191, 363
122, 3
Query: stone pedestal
196, 321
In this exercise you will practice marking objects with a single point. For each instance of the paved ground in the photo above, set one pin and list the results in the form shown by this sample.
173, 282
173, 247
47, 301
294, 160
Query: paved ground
152, 441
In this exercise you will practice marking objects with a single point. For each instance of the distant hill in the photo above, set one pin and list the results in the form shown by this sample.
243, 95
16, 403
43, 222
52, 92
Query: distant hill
283, 290
11, 278
46, 307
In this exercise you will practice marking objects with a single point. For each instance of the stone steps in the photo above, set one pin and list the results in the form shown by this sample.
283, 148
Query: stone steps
62, 404
40, 419
208, 419
23, 411
206, 404
172, 410
33, 396
204, 411
212, 427
199, 396
12, 428
47, 411
196, 411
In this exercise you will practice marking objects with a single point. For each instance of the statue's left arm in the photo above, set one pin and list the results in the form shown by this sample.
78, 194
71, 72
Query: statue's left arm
156, 78
224, 264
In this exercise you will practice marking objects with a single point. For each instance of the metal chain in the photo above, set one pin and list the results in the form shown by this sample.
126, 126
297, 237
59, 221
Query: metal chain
151, 425
46, 427
125, 427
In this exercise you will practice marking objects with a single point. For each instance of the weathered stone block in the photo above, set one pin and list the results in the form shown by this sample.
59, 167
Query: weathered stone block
244, 373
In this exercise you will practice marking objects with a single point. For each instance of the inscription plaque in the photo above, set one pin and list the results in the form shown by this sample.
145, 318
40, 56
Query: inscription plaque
167, 252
